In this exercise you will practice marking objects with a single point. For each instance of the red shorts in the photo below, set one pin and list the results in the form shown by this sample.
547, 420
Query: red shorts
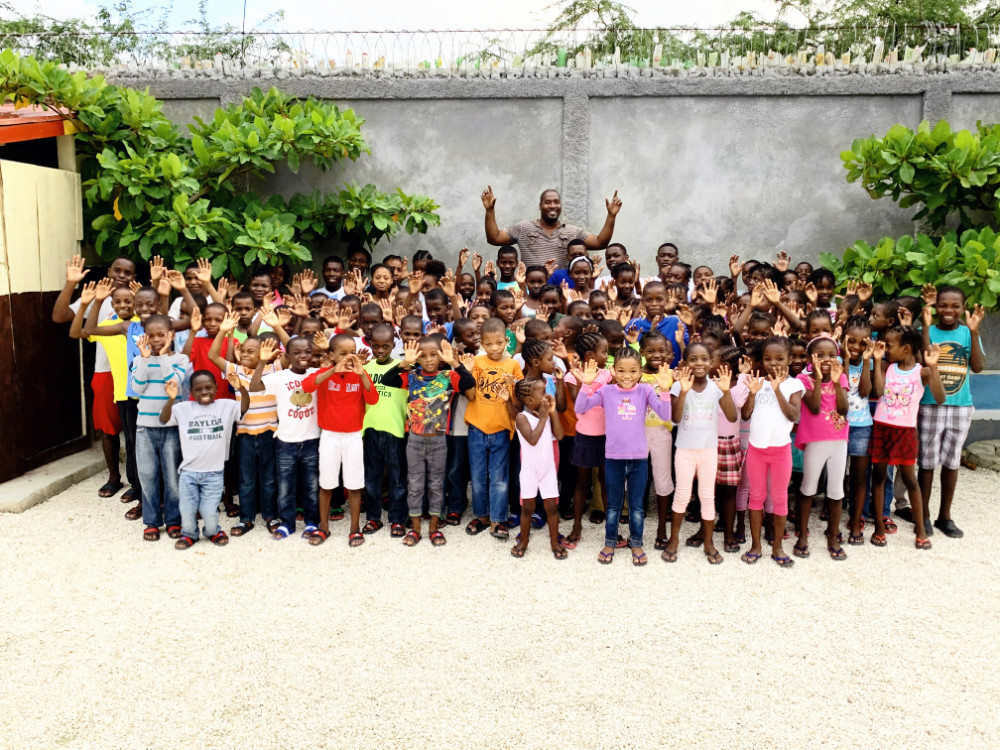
105, 412
896, 446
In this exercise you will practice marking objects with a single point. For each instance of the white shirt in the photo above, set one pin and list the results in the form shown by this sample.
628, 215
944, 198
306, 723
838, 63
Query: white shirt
337, 295
297, 420
769, 427
101, 363
699, 425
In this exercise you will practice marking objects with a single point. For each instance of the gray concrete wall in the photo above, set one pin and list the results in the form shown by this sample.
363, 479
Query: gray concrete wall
717, 165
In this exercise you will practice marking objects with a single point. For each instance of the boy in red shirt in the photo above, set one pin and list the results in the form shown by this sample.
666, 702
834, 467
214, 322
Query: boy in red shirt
342, 390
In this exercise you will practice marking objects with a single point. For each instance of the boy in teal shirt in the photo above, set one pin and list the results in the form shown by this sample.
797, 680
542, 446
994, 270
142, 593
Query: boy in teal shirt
943, 428
384, 436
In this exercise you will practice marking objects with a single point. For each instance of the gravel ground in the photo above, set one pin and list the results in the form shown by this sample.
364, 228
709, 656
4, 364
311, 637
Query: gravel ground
111, 642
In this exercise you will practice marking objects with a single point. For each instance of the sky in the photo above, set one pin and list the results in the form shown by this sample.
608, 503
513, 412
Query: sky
301, 15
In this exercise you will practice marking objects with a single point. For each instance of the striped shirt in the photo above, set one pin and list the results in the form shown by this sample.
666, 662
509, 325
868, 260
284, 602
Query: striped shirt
149, 377
537, 246
262, 416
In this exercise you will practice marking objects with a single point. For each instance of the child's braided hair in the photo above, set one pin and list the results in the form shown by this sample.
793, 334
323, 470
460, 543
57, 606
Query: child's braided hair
586, 343
532, 349
523, 387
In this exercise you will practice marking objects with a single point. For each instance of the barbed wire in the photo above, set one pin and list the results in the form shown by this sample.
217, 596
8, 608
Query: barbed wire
463, 49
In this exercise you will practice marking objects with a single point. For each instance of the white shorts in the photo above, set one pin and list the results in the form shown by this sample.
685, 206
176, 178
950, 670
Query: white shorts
341, 450
532, 484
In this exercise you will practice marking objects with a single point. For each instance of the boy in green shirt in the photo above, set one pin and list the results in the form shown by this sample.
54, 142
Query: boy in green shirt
384, 436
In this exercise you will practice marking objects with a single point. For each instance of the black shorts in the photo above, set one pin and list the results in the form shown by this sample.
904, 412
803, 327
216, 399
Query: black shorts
588, 451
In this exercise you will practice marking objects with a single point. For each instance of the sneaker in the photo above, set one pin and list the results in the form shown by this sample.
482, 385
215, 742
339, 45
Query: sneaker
949, 529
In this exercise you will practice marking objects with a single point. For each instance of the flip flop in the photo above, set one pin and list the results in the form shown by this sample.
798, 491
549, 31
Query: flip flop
802, 552
923, 543
784, 562
750, 558
731, 547
560, 554
668, 556
660, 543
715, 559
640, 559
837, 554
110, 489
568, 543
475, 527
605, 558
856, 541
500, 532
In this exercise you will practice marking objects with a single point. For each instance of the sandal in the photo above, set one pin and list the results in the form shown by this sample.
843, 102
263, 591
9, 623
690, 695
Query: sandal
220, 539
517, 551
476, 527
151, 534
660, 543
568, 543
715, 558
596, 516
372, 526
879, 540
856, 541
308, 531
622, 542
560, 554
174, 532
694, 541
241, 528
741, 537
131, 496
397, 530
640, 559
336, 514
184, 542
355, 539
318, 537
134, 513
802, 552
110, 489
453, 519
784, 562
837, 554
232, 510
750, 558
437, 539
272, 524
412, 538
280, 532
500, 532
669, 556
923, 543
605, 558
731, 547
889, 525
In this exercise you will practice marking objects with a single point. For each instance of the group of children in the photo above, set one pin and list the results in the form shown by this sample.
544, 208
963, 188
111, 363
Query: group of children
391, 389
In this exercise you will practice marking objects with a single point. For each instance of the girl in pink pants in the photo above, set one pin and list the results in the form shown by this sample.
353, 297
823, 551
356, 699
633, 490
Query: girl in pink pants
696, 403
773, 409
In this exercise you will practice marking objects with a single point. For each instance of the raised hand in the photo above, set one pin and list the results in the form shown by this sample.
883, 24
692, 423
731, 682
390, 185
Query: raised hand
558, 373
679, 334
686, 378
411, 351
165, 349
905, 316
103, 289
597, 270
399, 312
296, 286
204, 273
477, 262
284, 317
489, 200
869, 349
299, 306
664, 378
932, 355
746, 365
467, 360
770, 291
176, 279
879, 351
463, 257
268, 350
559, 349
320, 341
195, 320
550, 266
723, 378
735, 267
75, 272
267, 314
755, 384
163, 286
518, 329
87, 294
222, 287
156, 270
614, 204
134, 286
836, 370
710, 292
490, 269
447, 353
864, 291
974, 317
521, 275
234, 380
632, 335
230, 322
927, 316
518, 298
780, 327
780, 376
782, 261
386, 306
816, 374
503, 391
172, 389
811, 294
416, 282
928, 293
308, 282
329, 312
447, 283
589, 372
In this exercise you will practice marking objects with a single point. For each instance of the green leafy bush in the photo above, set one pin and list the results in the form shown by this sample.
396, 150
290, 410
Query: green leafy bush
897, 267
150, 191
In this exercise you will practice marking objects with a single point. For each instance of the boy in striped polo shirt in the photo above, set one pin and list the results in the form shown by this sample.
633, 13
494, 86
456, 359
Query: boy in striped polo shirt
157, 448
258, 487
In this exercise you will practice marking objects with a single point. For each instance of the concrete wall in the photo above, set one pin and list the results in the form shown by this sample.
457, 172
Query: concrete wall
717, 165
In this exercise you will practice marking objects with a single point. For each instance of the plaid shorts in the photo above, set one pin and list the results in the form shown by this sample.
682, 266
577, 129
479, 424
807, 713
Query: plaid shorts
730, 462
943, 430
896, 446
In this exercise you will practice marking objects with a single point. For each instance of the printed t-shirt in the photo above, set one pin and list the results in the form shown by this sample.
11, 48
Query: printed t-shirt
652, 418
488, 412
429, 399
625, 416
200, 361
116, 351
828, 424
389, 414
205, 431
859, 414
699, 425
262, 416
341, 400
953, 366
592, 421
297, 421
769, 427
900, 399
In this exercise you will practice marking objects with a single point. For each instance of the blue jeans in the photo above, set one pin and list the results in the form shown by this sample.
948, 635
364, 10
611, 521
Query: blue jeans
201, 492
258, 486
456, 495
298, 476
489, 455
385, 452
157, 457
622, 473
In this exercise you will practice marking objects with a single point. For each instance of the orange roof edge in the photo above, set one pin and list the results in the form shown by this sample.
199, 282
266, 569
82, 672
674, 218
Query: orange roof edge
32, 123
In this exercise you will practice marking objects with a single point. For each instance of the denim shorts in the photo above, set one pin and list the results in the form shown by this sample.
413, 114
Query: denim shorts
858, 439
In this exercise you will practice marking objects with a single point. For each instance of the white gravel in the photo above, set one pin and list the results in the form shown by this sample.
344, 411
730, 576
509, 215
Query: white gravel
108, 641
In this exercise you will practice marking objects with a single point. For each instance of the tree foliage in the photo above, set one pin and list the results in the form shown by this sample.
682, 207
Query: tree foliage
150, 191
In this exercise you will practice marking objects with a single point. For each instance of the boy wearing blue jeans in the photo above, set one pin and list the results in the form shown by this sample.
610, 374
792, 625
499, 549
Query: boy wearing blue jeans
205, 426
157, 447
